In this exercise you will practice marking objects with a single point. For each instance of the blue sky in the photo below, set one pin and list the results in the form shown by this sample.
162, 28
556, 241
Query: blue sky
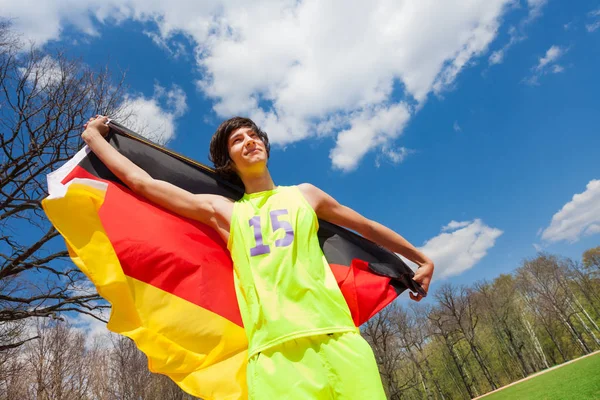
416, 115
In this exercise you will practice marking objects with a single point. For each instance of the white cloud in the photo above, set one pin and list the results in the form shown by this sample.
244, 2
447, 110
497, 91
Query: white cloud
460, 246
497, 57
516, 36
95, 331
45, 72
41, 21
552, 54
369, 128
516, 33
299, 66
595, 24
455, 225
456, 127
579, 217
592, 229
82, 288
547, 64
152, 119
398, 155
393, 155
535, 8
174, 48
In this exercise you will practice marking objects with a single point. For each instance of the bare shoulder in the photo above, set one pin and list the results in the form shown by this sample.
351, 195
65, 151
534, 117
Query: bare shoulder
328, 208
218, 211
221, 206
220, 200
313, 195
307, 188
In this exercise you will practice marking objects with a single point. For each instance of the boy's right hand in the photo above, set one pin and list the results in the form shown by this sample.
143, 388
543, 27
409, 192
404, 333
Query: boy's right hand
95, 125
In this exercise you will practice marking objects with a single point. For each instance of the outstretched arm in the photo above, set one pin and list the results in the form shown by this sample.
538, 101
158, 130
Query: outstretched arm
327, 208
212, 210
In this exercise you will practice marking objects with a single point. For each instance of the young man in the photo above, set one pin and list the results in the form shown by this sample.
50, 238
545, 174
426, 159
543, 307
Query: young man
302, 342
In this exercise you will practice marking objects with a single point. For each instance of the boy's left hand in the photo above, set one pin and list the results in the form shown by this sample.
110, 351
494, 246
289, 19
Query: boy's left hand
423, 278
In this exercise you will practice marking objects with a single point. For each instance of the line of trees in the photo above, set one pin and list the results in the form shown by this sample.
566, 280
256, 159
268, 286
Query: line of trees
472, 340
64, 364
481, 337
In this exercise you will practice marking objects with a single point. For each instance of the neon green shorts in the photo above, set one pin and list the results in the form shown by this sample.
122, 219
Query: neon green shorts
333, 366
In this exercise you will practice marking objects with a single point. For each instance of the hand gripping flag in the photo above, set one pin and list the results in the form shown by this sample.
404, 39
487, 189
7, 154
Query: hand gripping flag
170, 279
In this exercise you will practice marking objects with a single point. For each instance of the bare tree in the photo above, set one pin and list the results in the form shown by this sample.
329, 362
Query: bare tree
55, 366
126, 357
101, 384
413, 331
164, 388
459, 306
44, 100
381, 332
446, 330
587, 285
62, 364
59, 361
11, 366
542, 282
501, 311
130, 378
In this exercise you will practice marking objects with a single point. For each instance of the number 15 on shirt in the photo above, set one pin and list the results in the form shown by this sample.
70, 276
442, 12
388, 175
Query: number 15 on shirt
255, 222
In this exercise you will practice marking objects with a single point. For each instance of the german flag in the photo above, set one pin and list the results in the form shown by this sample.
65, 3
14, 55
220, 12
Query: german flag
170, 279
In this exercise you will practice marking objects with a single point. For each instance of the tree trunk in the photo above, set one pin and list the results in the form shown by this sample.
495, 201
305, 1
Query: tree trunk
482, 365
517, 350
587, 329
461, 389
464, 374
428, 393
556, 343
576, 335
435, 381
584, 311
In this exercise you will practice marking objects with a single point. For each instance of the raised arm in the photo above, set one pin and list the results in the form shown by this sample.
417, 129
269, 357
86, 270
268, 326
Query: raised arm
212, 210
327, 208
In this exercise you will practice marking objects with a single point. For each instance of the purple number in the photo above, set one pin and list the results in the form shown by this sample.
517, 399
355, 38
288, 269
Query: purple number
260, 247
276, 224
286, 226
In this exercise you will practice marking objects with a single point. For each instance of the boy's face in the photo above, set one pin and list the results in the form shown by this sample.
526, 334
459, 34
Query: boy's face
247, 151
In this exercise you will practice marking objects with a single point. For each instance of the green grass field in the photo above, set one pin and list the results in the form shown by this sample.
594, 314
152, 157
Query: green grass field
579, 380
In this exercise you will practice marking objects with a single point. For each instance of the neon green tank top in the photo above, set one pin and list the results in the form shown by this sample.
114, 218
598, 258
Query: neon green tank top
284, 285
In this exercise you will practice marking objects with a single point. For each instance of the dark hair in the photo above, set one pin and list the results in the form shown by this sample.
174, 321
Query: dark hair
219, 154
